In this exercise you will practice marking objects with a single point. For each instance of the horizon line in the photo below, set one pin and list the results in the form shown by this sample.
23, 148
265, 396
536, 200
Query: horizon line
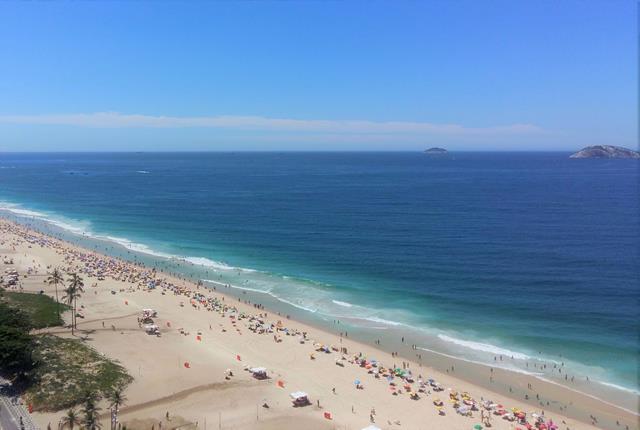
292, 151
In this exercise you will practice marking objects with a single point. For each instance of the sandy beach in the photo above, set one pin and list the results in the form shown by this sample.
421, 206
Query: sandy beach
204, 334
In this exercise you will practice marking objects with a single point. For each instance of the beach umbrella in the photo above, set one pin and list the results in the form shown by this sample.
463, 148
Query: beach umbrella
356, 382
477, 427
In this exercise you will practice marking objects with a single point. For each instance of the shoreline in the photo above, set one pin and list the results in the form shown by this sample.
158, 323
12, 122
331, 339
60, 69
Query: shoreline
465, 349
463, 372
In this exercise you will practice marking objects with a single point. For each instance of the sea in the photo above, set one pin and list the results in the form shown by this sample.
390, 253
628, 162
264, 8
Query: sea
531, 257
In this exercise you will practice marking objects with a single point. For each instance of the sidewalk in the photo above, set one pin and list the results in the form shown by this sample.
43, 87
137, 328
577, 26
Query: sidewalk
11, 411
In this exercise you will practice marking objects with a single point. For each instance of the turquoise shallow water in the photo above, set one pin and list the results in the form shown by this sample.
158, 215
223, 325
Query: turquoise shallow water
528, 255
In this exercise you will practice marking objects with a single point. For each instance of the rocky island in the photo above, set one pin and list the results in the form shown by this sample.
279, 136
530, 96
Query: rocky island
436, 151
605, 151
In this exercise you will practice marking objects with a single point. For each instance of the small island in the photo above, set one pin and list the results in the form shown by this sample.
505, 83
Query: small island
605, 151
436, 151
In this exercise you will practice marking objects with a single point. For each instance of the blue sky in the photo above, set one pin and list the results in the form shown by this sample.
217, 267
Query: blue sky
336, 75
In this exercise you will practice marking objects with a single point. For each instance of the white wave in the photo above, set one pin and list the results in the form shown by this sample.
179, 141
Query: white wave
255, 290
202, 261
343, 304
133, 246
219, 265
380, 321
295, 305
481, 363
81, 228
66, 226
484, 347
18, 210
78, 228
144, 172
23, 212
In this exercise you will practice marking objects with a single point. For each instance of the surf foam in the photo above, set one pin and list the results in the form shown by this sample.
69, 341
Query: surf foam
343, 304
484, 347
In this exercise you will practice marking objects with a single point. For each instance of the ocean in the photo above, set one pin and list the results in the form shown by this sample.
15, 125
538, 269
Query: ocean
530, 256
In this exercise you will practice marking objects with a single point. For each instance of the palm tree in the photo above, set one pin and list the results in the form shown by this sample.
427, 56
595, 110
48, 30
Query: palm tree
71, 419
55, 278
91, 413
73, 293
116, 399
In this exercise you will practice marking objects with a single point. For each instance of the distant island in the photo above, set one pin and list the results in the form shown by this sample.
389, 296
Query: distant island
605, 151
436, 151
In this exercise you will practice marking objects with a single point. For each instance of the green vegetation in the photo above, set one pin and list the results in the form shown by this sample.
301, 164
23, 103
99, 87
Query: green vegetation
41, 310
55, 373
67, 370
16, 345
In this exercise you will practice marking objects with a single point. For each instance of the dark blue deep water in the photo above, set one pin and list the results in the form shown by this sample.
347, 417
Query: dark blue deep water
527, 254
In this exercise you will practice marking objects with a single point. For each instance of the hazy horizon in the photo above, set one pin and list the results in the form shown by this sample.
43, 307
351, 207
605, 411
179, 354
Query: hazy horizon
293, 151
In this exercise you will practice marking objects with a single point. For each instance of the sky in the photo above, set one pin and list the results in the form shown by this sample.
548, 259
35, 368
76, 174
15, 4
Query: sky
318, 75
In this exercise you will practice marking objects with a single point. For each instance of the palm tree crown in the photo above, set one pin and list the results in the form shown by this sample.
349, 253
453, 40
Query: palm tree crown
72, 293
70, 419
91, 413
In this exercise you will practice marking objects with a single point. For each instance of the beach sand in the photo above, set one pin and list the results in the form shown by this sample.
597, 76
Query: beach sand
203, 396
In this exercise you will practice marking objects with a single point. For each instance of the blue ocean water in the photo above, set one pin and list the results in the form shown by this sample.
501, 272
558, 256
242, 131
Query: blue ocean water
531, 255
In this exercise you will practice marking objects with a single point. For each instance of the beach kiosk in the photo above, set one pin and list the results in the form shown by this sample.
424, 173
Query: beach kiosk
300, 398
259, 372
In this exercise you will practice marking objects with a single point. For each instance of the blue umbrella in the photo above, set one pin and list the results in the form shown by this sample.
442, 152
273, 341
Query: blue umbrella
356, 382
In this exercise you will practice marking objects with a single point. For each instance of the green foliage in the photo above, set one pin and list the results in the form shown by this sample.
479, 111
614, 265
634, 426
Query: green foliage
40, 309
16, 344
15, 351
11, 316
57, 373
67, 369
